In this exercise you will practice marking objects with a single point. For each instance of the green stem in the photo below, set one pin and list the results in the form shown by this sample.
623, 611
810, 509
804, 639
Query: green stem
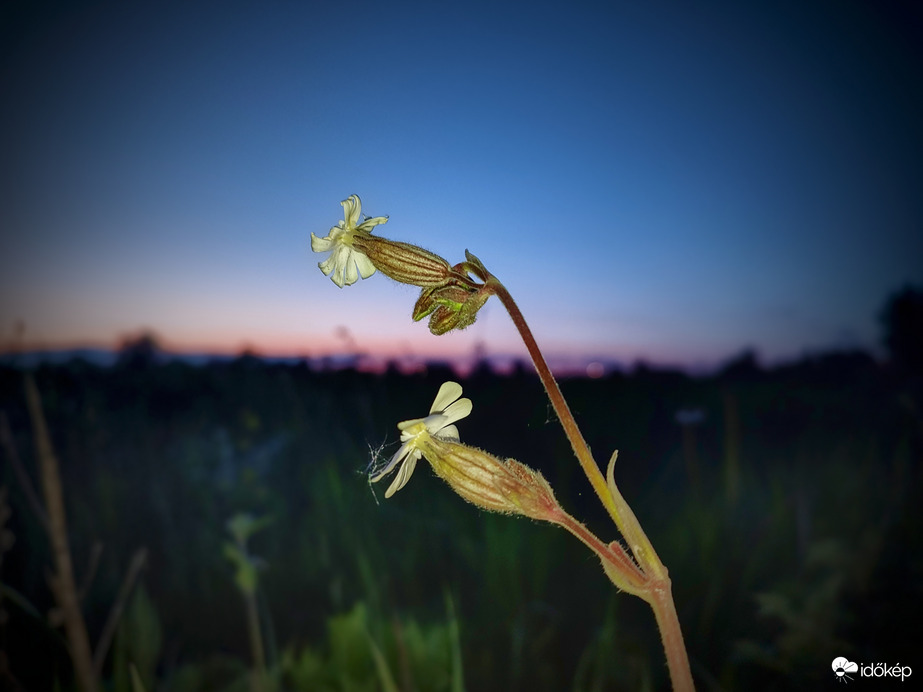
256, 643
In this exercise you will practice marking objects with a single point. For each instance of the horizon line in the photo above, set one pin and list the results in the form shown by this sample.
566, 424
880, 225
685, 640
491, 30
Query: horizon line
564, 365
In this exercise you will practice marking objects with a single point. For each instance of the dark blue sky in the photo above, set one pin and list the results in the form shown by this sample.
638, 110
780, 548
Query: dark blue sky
650, 180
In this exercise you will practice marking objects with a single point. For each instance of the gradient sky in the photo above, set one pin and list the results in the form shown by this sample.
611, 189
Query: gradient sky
655, 180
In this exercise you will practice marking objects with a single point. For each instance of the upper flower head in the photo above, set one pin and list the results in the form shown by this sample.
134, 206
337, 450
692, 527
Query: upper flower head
346, 262
446, 409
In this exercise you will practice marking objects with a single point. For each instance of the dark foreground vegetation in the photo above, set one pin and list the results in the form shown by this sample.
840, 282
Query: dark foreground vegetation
786, 503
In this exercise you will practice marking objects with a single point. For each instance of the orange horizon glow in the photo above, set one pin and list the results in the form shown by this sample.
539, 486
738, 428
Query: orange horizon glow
378, 352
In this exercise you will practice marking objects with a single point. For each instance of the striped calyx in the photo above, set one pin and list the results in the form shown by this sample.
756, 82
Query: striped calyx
404, 262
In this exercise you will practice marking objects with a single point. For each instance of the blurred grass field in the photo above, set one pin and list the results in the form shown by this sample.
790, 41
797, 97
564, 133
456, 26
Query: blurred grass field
786, 505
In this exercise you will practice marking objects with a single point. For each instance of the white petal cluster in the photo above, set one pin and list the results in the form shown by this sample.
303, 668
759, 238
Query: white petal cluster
346, 263
446, 409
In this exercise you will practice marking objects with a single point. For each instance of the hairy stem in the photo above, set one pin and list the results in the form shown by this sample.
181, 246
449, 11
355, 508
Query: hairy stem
656, 587
660, 598
614, 503
632, 579
578, 444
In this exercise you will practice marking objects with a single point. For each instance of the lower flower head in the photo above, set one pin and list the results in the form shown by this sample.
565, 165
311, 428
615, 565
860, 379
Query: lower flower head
446, 409
491, 483
346, 262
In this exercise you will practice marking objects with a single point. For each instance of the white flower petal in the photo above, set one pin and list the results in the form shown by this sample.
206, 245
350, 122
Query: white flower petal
457, 411
446, 409
352, 273
366, 268
327, 265
339, 258
404, 425
435, 422
449, 433
367, 225
352, 207
346, 264
448, 392
320, 244
403, 474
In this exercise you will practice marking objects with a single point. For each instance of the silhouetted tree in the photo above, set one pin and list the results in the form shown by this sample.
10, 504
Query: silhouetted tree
139, 351
902, 320
744, 366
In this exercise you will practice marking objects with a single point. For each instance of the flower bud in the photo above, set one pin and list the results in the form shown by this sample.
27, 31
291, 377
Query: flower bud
403, 262
452, 295
484, 480
453, 306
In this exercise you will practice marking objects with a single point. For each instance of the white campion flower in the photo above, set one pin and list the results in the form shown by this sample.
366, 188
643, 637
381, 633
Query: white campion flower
446, 409
346, 263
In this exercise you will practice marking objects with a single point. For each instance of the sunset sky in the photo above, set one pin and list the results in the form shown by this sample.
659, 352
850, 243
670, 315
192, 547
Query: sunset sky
667, 181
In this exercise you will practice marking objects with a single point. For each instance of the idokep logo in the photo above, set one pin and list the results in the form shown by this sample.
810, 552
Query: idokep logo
845, 670
842, 668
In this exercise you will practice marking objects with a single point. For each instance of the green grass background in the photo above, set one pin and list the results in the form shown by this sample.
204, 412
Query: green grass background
789, 518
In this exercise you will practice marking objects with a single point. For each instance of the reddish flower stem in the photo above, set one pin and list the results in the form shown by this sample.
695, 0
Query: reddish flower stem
657, 588
577, 443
